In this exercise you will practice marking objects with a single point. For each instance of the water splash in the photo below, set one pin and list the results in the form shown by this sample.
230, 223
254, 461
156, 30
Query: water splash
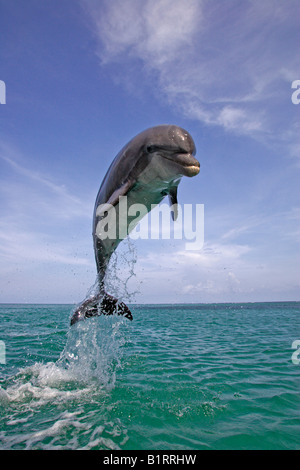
85, 372
120, 273
94, 349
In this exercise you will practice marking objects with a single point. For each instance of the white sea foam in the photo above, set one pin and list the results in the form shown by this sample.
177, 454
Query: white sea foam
4, 396
66, 422
65, 395
41, 383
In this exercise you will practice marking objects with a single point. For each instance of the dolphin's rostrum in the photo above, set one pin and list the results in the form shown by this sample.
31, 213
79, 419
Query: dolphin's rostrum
146, 170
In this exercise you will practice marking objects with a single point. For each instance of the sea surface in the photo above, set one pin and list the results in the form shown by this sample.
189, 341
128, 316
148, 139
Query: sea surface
216, 376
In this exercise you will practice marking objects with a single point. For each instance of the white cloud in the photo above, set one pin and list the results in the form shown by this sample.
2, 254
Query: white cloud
37, 191
43, 228
221, 272
223, 63
232, 118
154, 31
245, 258
17, 245
185, 274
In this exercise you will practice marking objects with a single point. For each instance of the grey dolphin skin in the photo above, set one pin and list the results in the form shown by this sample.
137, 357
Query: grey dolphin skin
146, 170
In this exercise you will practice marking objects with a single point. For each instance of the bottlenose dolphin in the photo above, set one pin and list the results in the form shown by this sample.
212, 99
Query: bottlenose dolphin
146, 170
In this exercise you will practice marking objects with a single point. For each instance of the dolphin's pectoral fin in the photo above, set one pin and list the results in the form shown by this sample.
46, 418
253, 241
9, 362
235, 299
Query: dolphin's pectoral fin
121, 191
110, 305
173, 202
105, 305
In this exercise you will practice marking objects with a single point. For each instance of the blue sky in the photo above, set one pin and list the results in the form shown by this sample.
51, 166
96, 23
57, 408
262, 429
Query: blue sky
83, 77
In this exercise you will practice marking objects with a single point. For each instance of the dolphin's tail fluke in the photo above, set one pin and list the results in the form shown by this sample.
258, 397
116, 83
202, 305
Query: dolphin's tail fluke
97, 305
110, 305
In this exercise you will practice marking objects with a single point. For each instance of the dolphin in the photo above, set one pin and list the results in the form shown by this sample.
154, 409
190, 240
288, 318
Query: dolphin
148, 168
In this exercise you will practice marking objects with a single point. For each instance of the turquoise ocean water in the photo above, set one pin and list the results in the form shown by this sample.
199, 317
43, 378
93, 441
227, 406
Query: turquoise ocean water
218, 376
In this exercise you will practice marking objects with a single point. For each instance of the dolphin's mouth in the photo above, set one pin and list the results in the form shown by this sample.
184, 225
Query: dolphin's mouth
192, 170
188, 162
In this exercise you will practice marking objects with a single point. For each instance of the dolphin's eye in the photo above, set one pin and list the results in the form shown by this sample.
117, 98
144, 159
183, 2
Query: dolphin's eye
151, 148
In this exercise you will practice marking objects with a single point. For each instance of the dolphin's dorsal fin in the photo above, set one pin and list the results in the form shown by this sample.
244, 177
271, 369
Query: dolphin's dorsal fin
173, 201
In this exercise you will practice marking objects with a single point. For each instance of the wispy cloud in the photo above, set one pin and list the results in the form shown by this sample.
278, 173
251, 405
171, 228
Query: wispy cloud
228, 64
45, 243
152, 31
222, 271
38, 216
38, 191
203, 276
33, 175
28, 246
